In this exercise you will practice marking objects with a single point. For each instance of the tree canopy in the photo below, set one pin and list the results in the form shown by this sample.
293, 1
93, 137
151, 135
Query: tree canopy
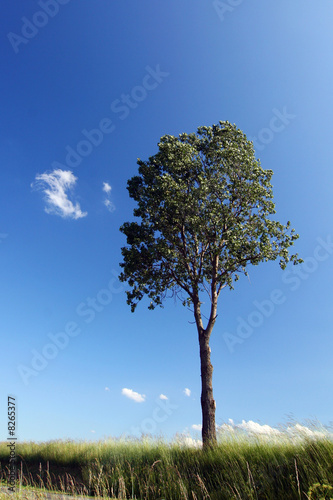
206, 209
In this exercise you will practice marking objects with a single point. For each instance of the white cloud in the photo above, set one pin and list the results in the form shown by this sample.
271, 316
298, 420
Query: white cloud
197, 427
250, 427
163, 396
138, 398
107, 202
186, 440
93, 432
109, 205
296, 432
55, 187
301, 431
255, 428
107, 389
226, 428
106, 187
187, 392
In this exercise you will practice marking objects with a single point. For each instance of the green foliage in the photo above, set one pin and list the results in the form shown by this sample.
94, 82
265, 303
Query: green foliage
205, 207
320, 492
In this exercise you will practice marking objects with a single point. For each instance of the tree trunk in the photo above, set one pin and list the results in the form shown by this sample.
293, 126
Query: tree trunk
208, 405
207, 401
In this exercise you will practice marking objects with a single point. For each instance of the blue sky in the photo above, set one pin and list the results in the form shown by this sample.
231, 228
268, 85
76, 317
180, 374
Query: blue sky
86, 89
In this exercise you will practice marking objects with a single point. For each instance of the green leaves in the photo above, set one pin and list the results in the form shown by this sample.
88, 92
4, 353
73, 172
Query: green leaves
204, 205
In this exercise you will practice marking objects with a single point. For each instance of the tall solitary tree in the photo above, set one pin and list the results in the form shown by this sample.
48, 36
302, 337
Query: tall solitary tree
204, 206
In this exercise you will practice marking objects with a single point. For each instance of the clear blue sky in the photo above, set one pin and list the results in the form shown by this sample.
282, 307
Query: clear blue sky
137, 71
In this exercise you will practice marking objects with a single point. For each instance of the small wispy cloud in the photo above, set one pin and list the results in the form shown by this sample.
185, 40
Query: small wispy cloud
187, 392
197, 427
106, 187
163, 396
107, 389
129, 393
109, 205
93, 432
56, 187
107, 202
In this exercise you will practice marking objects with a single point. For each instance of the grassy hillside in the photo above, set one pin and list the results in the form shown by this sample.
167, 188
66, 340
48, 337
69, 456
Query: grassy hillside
239, 468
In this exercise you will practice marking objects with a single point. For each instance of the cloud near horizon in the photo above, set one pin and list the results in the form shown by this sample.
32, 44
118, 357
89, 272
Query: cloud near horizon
251, 428
135, 396
55, 186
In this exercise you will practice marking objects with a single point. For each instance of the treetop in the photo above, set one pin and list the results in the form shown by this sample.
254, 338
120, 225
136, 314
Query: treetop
205, 206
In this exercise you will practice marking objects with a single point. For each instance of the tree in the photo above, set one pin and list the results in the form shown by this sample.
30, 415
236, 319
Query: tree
204, 205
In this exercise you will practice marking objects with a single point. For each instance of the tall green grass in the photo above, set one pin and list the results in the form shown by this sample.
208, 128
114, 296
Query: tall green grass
238, 468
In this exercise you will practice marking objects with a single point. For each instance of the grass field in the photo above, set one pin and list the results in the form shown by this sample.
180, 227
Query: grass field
240, 467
